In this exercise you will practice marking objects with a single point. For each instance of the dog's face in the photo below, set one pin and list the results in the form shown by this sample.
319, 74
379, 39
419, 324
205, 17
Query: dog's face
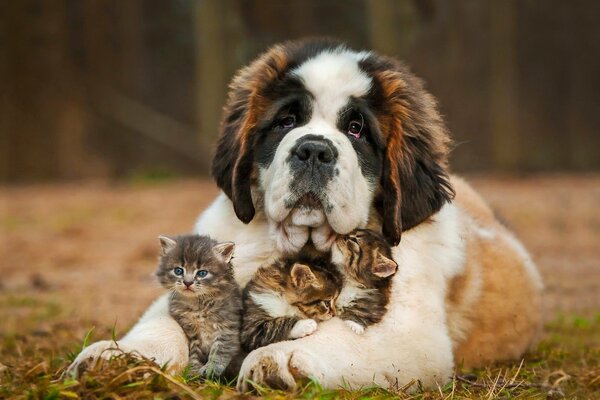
316, 136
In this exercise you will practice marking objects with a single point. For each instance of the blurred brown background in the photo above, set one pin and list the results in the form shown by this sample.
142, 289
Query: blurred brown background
115, 89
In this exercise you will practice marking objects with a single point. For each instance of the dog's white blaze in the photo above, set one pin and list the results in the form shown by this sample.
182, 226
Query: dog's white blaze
332, 77
274, 305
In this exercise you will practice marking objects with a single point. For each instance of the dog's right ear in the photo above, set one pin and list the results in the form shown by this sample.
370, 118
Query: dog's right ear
233, 160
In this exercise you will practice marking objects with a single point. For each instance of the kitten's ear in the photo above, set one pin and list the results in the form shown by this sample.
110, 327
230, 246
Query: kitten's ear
166, 244
383, 266
224, 251
302, 276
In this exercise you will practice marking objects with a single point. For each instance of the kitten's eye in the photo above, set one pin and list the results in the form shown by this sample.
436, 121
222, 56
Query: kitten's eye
178, 271
202, 273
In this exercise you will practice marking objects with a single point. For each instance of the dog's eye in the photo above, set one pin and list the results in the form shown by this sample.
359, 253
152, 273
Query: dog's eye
287, 122
355, 127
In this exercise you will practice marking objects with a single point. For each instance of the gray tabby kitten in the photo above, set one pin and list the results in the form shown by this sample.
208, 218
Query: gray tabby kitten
205, 299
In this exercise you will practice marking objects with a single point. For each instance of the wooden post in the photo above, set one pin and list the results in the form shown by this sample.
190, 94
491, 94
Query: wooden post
503, 84
211, 72
392, 26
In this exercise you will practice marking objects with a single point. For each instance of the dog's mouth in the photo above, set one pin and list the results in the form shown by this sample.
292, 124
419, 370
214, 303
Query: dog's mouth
309, 201
308, 211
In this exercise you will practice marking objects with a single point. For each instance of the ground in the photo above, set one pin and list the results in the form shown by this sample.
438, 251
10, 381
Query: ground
77, 256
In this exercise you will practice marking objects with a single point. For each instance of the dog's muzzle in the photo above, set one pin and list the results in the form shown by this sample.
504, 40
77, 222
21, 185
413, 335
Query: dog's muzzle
312, 164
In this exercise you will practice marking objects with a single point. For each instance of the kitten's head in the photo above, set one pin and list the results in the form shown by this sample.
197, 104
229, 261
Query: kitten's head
364, 255
194, 265
313, 291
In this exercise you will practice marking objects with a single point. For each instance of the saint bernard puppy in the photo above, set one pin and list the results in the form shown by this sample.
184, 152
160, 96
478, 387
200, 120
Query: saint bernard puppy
318, 140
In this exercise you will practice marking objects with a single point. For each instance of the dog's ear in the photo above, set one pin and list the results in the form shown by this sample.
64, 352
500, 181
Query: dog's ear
415, 181
233, 161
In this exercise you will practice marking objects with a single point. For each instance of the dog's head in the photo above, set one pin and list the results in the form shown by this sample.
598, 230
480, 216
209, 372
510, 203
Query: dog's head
315, 134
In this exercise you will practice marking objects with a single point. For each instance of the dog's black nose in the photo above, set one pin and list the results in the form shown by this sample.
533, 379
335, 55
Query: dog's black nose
315, 151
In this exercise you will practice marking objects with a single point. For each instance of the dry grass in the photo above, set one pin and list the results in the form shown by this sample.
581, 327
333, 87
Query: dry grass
74, 257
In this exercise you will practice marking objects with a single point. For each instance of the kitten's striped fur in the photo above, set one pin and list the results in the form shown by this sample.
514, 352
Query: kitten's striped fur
365, 260
208, 307
286, 299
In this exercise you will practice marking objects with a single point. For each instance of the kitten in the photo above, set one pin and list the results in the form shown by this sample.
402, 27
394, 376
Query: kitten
205, 299
285, 300
365, 260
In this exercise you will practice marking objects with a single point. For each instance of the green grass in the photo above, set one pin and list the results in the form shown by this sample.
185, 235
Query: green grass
566, 364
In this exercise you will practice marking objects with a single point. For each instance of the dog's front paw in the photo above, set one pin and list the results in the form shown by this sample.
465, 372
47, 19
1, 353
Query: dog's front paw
102, 350
276, 368
355, 326
302, 328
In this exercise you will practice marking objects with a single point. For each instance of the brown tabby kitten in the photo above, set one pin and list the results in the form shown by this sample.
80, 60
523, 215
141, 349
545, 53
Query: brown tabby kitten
286, 299
365, 260
205, 299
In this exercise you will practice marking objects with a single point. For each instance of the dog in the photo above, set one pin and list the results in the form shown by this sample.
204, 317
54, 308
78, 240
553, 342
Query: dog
317, 140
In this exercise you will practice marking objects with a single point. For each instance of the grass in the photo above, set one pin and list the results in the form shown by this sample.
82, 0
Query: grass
74, 256
566, 364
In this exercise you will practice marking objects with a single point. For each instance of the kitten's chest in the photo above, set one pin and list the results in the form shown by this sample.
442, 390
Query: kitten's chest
204, 323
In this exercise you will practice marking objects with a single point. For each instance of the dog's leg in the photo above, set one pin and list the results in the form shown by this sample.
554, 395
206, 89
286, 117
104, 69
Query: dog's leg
156, 336
335, 356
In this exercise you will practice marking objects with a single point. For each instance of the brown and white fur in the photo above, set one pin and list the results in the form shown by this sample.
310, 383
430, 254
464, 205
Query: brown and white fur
366, 263
467, 291
286, 299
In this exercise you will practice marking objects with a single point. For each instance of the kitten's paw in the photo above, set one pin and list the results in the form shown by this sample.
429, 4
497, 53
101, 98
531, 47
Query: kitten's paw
355, 326
302, 328
195, 367
211, 370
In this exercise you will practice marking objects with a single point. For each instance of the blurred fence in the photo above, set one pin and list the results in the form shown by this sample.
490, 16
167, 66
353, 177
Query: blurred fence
114, 88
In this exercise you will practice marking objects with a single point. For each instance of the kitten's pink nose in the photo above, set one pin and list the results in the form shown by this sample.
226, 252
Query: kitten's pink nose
188, 283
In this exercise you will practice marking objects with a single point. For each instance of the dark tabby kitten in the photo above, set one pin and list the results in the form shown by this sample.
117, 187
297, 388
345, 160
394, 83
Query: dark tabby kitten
286, 299
365, 260
205, 299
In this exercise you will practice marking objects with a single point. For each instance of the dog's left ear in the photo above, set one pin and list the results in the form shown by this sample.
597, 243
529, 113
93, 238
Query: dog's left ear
415, 181
233, 160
